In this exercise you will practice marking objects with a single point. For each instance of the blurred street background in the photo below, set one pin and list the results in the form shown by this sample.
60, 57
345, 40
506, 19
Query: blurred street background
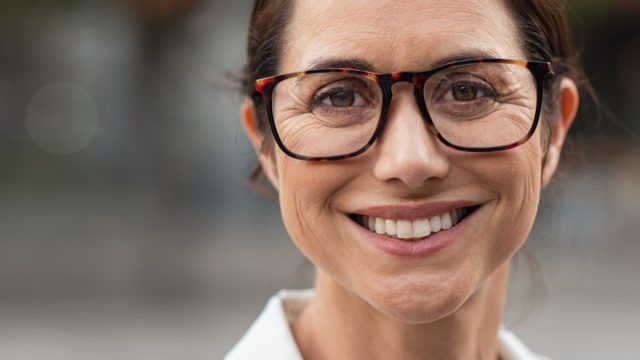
128, 229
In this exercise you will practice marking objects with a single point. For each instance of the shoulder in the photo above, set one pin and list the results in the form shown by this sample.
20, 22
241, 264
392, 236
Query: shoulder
270, 336
512, 348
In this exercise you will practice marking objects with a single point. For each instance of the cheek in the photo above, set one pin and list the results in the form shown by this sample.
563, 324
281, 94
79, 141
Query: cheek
306, 193
516, 180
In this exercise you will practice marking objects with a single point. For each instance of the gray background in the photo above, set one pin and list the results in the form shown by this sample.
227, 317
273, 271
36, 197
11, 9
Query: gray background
128, 229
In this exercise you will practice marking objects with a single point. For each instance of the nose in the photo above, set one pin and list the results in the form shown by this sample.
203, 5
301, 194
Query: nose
407, 149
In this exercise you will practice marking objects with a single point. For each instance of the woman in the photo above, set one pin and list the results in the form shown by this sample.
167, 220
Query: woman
408, 143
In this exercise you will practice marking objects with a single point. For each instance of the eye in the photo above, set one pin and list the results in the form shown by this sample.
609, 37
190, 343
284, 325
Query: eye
342, 98
463, 97
468, 91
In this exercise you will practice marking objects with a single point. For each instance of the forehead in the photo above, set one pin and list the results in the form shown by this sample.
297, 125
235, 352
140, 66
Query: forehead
392, 35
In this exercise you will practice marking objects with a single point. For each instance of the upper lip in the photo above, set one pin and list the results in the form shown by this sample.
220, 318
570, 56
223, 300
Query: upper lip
413, 211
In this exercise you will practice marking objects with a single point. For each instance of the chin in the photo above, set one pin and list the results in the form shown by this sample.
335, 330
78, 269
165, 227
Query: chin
420, 304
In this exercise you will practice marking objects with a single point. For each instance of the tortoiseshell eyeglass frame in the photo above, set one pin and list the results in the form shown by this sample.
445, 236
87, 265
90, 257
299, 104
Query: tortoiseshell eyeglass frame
540, 71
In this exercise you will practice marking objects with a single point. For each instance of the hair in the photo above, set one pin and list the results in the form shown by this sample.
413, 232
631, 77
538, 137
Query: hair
543, 25
267, 26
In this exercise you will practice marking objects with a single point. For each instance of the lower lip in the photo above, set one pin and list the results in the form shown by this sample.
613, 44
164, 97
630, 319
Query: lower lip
417, 248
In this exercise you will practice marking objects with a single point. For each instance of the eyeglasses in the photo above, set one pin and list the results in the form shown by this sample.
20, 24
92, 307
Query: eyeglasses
477, 105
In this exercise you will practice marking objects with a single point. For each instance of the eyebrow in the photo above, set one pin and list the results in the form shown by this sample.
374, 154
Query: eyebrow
364, 65
346, 63
462, 57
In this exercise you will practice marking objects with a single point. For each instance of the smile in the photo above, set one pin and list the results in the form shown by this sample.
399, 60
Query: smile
412, 230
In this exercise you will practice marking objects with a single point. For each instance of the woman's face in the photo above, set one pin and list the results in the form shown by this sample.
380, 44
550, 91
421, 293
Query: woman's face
407, 176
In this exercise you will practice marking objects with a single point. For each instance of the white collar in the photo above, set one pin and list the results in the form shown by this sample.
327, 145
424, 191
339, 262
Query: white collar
270, 335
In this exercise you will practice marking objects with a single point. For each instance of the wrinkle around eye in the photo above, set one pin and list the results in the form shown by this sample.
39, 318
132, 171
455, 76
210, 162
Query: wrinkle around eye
518, 98
297, 138
293, 132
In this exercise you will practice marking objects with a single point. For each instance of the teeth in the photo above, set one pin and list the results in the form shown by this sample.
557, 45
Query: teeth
380, 228
435, 223
421, 228
446, 221
404, 229
454, 217
390, 226
416, 229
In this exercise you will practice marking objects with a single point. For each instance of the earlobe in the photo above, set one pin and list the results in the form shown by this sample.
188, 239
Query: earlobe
250, 123
569, 100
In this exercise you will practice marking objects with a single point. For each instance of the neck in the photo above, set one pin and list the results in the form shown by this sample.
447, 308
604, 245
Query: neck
337, 324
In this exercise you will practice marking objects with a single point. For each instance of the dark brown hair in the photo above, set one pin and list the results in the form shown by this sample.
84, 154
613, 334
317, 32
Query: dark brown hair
543, 25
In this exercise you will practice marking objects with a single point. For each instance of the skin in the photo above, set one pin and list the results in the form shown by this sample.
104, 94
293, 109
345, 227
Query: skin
370, 304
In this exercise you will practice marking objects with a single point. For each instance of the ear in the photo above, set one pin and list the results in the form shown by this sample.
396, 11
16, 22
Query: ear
568, 108
250, 122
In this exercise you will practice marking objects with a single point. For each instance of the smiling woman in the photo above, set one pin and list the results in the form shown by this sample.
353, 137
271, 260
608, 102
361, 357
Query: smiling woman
409, 145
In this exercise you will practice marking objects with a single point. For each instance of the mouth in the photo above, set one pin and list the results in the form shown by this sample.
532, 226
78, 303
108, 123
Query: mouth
413, 229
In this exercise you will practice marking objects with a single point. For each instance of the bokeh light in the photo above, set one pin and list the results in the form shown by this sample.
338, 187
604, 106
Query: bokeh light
62, 118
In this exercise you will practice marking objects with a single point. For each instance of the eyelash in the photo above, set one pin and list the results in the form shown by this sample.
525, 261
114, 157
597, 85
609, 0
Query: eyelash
487, 90
325, 93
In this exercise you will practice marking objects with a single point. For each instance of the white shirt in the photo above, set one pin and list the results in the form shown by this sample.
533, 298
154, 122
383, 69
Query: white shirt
270, 335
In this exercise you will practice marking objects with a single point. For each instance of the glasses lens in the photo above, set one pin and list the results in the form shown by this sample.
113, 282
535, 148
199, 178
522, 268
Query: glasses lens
326, 114
482, 105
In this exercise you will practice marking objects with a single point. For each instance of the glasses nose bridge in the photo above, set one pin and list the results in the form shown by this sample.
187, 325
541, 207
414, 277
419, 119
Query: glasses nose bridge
415, 79
399, 77
410, 77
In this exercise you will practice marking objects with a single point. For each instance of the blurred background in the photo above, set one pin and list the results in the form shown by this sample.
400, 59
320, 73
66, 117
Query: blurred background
128, 229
